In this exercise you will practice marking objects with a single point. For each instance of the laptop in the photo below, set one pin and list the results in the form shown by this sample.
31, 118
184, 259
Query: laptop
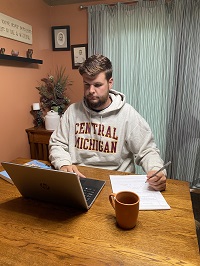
54, 186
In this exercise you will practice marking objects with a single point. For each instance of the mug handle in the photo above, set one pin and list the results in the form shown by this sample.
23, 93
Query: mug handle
112, 197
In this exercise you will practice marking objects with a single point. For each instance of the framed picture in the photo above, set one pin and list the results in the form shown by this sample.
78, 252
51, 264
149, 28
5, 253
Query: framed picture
61, 38
79, 54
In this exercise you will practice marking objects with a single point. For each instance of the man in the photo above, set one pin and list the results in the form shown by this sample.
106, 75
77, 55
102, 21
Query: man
104, 131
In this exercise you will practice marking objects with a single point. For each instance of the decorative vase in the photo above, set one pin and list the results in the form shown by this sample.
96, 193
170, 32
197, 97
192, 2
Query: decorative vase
14, 53
52, 120
2, 51
29, 53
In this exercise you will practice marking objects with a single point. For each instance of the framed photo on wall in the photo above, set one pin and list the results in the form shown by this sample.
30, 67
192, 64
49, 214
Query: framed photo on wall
79, 54
61, 38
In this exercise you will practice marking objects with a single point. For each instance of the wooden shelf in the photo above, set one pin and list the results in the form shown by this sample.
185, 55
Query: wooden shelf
21, 59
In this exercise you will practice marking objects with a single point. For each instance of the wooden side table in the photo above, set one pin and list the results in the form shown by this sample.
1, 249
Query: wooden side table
39, 141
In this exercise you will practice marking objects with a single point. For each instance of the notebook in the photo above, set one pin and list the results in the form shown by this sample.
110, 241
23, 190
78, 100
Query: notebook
54, 186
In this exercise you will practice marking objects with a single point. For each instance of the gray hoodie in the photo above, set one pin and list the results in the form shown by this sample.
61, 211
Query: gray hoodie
112, 139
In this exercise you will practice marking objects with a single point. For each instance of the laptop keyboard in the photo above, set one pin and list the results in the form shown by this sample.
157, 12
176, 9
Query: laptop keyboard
88, 192
91, 189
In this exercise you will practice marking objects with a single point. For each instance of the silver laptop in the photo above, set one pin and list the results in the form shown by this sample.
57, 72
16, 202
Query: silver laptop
54, 186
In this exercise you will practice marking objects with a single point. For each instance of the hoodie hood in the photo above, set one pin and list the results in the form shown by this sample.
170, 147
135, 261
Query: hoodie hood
118, 101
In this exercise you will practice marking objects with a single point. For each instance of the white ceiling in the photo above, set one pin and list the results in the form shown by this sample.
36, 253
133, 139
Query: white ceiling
67, 2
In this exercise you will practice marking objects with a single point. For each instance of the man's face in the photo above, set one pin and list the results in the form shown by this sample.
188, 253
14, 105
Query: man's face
96, 91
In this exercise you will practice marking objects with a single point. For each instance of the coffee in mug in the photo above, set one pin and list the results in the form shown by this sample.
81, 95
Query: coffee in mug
126, 205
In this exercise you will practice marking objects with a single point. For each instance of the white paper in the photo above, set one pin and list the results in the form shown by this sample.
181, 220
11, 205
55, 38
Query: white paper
149, 198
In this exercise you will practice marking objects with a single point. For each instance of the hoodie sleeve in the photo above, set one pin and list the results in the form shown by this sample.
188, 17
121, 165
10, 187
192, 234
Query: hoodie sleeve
142, 145
59, 144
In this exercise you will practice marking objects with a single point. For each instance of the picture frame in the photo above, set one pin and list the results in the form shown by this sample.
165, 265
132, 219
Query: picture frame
79, 54
60, 38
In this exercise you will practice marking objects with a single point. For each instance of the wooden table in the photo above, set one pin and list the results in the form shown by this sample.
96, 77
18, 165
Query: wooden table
38, 138
37, 233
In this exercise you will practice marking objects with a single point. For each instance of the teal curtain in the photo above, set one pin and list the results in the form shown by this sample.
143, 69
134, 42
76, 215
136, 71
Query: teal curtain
144, 42
137, 39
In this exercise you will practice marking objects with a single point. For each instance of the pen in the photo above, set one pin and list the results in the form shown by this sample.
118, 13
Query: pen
162, 168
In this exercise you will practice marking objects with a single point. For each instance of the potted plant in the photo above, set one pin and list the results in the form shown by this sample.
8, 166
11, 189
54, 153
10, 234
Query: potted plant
53, 96
53, 92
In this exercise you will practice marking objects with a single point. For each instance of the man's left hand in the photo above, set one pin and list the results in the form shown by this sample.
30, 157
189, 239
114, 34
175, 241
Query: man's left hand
157, 182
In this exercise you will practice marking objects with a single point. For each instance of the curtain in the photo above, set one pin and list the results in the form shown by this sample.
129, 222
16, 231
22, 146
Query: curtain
144, 41
183, 133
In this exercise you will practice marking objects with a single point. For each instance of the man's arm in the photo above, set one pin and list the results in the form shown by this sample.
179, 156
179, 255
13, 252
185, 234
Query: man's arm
59, 144
147, 155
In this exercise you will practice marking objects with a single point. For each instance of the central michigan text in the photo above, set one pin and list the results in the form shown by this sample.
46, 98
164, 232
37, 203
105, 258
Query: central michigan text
107, 144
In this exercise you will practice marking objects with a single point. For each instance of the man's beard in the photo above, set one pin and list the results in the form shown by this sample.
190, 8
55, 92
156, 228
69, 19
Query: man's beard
96, 104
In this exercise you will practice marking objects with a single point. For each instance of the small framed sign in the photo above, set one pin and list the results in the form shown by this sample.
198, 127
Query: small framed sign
79, 54
61, 38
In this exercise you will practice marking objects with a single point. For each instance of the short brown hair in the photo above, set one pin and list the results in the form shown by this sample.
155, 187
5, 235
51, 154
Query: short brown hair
96, 64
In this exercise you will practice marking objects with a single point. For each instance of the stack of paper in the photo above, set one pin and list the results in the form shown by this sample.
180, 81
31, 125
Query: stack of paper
149, 198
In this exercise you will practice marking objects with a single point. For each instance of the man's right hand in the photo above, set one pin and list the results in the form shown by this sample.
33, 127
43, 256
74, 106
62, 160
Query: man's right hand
71, 168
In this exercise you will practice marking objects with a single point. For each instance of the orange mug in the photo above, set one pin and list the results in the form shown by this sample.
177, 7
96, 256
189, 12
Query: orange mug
126, 205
